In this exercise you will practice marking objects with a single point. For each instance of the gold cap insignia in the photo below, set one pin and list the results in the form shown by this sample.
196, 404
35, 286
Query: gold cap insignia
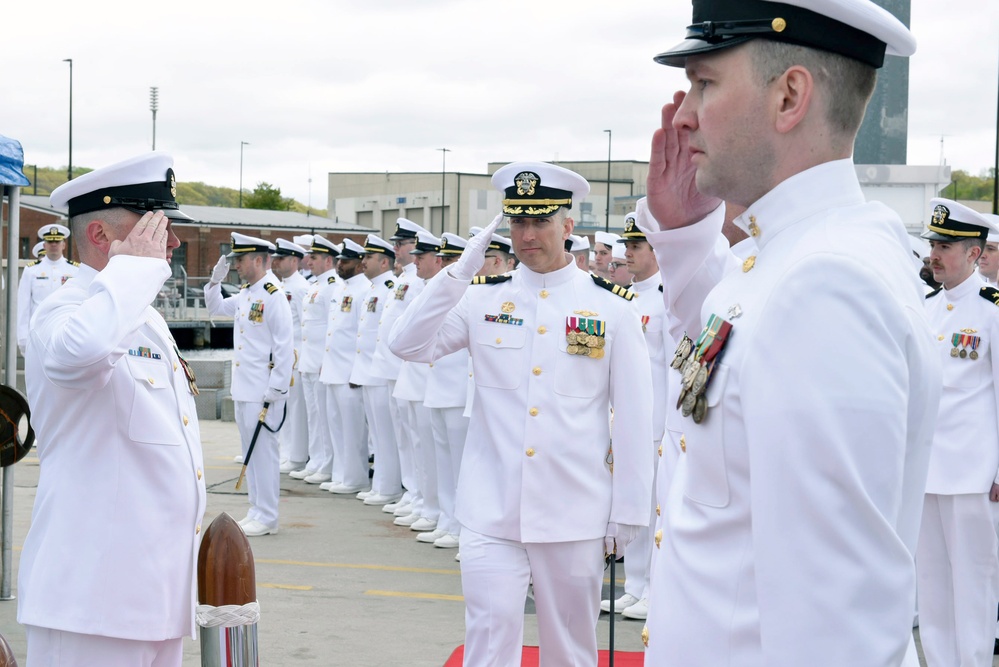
526, 181
940, 214
778, 25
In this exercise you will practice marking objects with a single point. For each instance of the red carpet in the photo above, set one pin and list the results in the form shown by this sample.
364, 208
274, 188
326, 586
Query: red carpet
530, 659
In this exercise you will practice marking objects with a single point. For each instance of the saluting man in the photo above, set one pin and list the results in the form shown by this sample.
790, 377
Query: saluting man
107, 574
540, 496
285, 263
261, 368
386, 487
42, 277
957, 560
315, 314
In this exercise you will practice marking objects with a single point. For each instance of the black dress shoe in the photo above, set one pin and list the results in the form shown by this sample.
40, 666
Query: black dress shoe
995, 651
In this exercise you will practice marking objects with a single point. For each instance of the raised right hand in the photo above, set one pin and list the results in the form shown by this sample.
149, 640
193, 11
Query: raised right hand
147, 238
474, 255
220, 271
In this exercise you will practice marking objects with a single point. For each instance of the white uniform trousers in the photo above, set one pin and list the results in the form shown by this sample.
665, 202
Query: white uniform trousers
567, 577
350, 434
638, 552
450, 427
403, 446
320, 444
957, 567
408, 463
426, 460
295, 434
58, 648
263, 474
387, 480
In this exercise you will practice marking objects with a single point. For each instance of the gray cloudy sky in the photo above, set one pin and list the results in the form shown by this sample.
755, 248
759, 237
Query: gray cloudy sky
334, 85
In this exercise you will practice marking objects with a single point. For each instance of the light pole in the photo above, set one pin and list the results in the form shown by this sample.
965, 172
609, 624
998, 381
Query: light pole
69, 169
154, 104
241, 144
444, 152
607, 213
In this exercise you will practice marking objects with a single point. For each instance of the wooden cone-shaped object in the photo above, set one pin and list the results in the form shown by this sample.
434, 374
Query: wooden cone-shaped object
225, 565
6, 654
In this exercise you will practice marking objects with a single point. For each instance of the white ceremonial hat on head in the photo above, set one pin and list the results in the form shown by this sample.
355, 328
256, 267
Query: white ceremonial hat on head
578, 243
538, 189
607, 238
243, 244
952, 221
286, 248
53, 232
426, 242
38, 250
452, 245
376, 245
405, 229
351, 250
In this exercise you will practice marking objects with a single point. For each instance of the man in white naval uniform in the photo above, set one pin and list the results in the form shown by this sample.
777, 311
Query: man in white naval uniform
285, 263
647, 286
315, 316
810, 385
540, 496
411, 391
579, 248
988, 263
263, 357
107, 573
387, 365
603, 252
376, 265
42, 277
957, 560
344, 402
445, 398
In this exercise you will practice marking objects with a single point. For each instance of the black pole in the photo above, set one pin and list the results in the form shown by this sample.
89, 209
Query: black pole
241, 144
995, 167
607, 211
69, 169
444, 152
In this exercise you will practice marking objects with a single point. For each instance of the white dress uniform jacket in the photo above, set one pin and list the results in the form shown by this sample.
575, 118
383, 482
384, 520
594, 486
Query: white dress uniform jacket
407, 287
315, 314
965, 453
652, 309
794, 513
121, 495
38, 280
535, 463
380, 292
261, 338
341, 330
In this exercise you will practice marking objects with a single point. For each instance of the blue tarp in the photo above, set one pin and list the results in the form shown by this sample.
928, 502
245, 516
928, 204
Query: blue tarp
11, 162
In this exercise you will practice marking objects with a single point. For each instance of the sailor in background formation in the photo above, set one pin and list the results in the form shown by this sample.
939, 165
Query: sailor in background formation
285, 264
957, 557
42, 277
315, 315
579, 248
263, 357
988, 263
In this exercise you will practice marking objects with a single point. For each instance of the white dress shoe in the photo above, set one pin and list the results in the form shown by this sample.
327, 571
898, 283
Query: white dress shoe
244, 520
254, 528
422, 525
317, 478
291, 466
325, 486
457, 556
403, 510
379, 499
620, 604
638, 611
343, 489
432, 536
389, 508
238, 458
407, 520
449, 541
363, 495
301, 474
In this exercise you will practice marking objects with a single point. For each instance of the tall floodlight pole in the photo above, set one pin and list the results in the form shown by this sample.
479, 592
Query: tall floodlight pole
607, 212
154, 105
69, 169
444, 152
241, 144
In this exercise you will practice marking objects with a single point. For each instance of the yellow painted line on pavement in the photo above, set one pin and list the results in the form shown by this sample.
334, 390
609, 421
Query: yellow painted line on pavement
420, 596
358, 566
286, 587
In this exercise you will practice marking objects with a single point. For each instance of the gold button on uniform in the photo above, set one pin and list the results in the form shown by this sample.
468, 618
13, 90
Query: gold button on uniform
530, 451
151, 381
186, 420
499, 340
175, 365
659, 538
658, 513
542, 329
533, 412
683, 443
199, 473
537, 370
940, 337
645, 636
748, 265
754, 229
950, 306
660, 451
197, 529
544, 294
237, 363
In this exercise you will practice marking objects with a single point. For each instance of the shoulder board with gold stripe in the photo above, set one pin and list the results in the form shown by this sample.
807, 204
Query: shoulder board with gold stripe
390, 284
990, 293
935, 292
491, 280
622, 292
331, 280
74, 263
270, 287
244, 286
33, 262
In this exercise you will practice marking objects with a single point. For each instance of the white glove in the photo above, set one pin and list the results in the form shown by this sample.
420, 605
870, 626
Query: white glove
474, 255
643, 218
272, 395
619, 536
220, 271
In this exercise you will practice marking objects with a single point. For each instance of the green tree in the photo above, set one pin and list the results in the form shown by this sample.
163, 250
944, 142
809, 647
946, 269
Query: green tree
965, 186
266, 196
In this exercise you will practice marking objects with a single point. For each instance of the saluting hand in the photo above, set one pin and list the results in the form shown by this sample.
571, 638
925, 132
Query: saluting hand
474, 256
673, 198
148, 238
220, 271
